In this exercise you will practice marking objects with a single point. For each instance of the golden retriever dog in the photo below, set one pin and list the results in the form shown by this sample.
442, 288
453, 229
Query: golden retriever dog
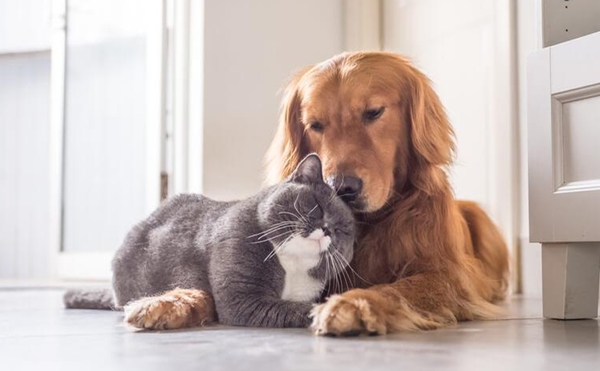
423, 259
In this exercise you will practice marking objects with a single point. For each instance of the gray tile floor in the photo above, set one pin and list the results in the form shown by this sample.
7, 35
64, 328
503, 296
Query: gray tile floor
36, 333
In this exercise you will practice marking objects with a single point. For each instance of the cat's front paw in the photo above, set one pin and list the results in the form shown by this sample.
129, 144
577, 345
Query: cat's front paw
347, 315
174, 309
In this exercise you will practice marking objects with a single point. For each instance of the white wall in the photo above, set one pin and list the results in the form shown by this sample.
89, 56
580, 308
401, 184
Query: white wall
529, 39
24, 25
250, 49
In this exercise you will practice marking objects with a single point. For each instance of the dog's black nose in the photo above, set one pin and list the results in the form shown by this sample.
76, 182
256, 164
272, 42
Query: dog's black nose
348, 188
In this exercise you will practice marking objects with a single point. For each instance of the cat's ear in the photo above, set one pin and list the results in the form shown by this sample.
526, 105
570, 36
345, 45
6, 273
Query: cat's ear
309, 170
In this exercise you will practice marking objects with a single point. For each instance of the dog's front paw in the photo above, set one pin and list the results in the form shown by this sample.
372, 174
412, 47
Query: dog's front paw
175, 309
346, 315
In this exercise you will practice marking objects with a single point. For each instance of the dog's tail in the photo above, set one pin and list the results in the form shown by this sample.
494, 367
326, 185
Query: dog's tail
488, 246
89, 299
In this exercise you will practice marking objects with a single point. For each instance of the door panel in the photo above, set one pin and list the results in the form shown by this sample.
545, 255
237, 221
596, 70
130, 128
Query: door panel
564, 133
24, 106
107, 127
105, 124
577, 119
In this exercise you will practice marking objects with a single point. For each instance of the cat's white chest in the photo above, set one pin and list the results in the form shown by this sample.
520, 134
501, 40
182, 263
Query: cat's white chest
298, 257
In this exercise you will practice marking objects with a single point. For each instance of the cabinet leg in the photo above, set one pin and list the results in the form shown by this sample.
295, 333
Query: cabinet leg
570, 273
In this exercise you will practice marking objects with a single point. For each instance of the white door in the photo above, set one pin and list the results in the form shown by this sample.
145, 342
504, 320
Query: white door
564, 173
107, 125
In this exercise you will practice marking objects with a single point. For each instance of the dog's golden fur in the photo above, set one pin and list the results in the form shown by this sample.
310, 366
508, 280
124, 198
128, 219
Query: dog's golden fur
429, 260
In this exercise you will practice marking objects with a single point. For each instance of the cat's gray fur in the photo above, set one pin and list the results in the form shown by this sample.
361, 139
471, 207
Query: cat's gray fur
222, 247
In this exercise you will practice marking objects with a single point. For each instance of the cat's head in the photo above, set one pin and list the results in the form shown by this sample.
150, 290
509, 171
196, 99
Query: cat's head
303, 216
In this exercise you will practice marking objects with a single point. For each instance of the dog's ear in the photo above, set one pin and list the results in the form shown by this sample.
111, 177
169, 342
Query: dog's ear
430, 131
287, 147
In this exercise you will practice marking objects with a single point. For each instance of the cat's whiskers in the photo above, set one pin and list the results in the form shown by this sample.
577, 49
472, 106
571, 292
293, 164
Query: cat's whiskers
266, 233
283, 222
277, 248
327, 278
313, 209
273, 229
338, 281
300, 220
270, 230
271, 238
332, 273
352, 269
342, 272
284, 242
350, 280
334, 277
298, 211
331, 196
326, 267
335, 191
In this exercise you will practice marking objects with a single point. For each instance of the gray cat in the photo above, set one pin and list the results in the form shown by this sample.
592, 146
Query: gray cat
264, 259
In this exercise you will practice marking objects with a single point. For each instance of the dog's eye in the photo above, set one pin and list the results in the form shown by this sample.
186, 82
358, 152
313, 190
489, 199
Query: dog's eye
371, 115
316, 126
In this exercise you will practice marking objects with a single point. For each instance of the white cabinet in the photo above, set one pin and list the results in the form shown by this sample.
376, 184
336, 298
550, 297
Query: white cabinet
564, 173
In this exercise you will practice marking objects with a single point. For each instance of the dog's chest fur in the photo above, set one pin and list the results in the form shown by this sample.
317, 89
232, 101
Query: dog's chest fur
297, 257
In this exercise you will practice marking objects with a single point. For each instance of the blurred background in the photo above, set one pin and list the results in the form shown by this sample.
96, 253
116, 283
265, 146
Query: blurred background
106, 106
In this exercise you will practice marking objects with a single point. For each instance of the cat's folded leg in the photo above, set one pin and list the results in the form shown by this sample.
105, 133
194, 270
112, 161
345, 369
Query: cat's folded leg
257, 311
178, 308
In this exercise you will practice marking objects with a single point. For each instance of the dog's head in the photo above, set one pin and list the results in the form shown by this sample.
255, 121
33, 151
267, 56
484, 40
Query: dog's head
373, 119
